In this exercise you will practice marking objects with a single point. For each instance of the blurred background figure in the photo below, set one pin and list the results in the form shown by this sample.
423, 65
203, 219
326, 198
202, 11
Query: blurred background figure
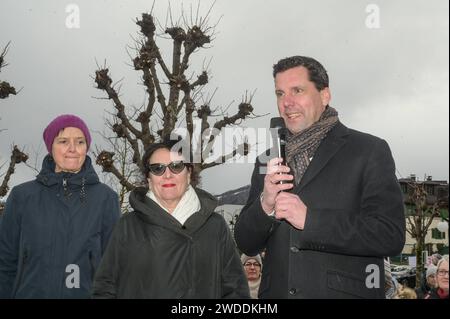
252, 266
404, 292
390, 285
428, 282
435, 259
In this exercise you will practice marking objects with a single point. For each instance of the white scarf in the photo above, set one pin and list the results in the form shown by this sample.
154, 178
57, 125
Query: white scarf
186, 207
254, 287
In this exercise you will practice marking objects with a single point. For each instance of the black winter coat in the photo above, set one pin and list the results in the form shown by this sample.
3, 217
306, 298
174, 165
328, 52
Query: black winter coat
53, 233
151, 255
355, 217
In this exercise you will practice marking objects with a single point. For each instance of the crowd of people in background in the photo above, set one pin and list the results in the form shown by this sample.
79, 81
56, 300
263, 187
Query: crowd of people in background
440, 288
434, 283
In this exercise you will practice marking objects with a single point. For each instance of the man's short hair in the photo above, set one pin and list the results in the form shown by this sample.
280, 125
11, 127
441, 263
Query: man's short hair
317, 73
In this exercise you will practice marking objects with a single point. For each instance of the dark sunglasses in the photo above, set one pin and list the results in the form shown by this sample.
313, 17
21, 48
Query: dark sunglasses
158, 169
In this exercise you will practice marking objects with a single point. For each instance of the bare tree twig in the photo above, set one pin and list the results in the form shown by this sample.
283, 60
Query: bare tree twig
17, 157
242, 149
105, 160
5, 88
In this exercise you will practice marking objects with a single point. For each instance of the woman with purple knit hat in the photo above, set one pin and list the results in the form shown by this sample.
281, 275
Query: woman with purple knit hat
56, 227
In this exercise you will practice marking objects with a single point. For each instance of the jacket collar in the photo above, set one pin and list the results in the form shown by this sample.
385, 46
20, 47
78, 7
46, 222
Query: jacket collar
330, 145
48, 177
150, 212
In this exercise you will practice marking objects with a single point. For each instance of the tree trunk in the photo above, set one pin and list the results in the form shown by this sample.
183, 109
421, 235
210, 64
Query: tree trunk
419, 261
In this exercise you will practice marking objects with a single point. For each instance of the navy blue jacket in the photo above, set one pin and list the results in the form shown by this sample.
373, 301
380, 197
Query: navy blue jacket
54, 232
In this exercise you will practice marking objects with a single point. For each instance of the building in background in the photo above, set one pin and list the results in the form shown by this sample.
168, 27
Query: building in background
434, 193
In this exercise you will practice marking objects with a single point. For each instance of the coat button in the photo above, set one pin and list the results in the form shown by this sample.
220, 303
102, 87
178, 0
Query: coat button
294, 249
292, 291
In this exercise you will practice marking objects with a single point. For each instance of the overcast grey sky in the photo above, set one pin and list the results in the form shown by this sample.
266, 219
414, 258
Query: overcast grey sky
390, 81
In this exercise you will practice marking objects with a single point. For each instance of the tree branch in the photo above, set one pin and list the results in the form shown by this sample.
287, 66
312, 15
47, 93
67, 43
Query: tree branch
202, 79
148, 29
245, 109
413, 231
106, 161
144, 117
122, 132
190, 107
159, 93
434, 214
195, 38
104, 83
242, 149
5, 88
17, 157
2, 56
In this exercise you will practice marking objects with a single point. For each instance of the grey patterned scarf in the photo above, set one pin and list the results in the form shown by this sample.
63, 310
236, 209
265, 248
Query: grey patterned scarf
301, 147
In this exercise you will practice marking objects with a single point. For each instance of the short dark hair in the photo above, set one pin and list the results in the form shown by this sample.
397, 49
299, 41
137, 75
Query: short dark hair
317, 73
168, 145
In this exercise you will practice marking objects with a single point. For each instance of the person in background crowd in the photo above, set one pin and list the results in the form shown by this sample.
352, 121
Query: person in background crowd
404, 292
56, 228
173, 245
428, 283
441, 291
253, 268
435, 258
390, 284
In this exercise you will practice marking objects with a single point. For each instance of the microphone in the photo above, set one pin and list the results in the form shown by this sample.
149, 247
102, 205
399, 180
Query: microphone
277, 123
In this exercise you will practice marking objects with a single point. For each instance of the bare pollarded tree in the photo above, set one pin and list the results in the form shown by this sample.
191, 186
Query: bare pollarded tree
17, 156
174, 97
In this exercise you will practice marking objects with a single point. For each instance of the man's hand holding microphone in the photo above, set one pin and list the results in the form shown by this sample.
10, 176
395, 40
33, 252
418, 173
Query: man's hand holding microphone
275, 199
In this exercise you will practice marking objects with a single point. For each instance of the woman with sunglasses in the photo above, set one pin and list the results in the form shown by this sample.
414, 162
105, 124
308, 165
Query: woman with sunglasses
172, 245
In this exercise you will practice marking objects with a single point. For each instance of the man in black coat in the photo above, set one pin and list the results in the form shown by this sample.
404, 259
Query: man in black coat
326, 231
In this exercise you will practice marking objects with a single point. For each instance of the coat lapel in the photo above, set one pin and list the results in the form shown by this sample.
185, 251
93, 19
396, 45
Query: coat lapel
327, 149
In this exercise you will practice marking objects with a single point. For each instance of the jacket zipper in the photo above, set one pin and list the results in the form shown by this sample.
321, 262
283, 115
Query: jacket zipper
66, 190
22, 270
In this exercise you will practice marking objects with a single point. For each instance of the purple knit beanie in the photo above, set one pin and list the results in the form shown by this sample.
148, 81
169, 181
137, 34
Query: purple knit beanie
60, 123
